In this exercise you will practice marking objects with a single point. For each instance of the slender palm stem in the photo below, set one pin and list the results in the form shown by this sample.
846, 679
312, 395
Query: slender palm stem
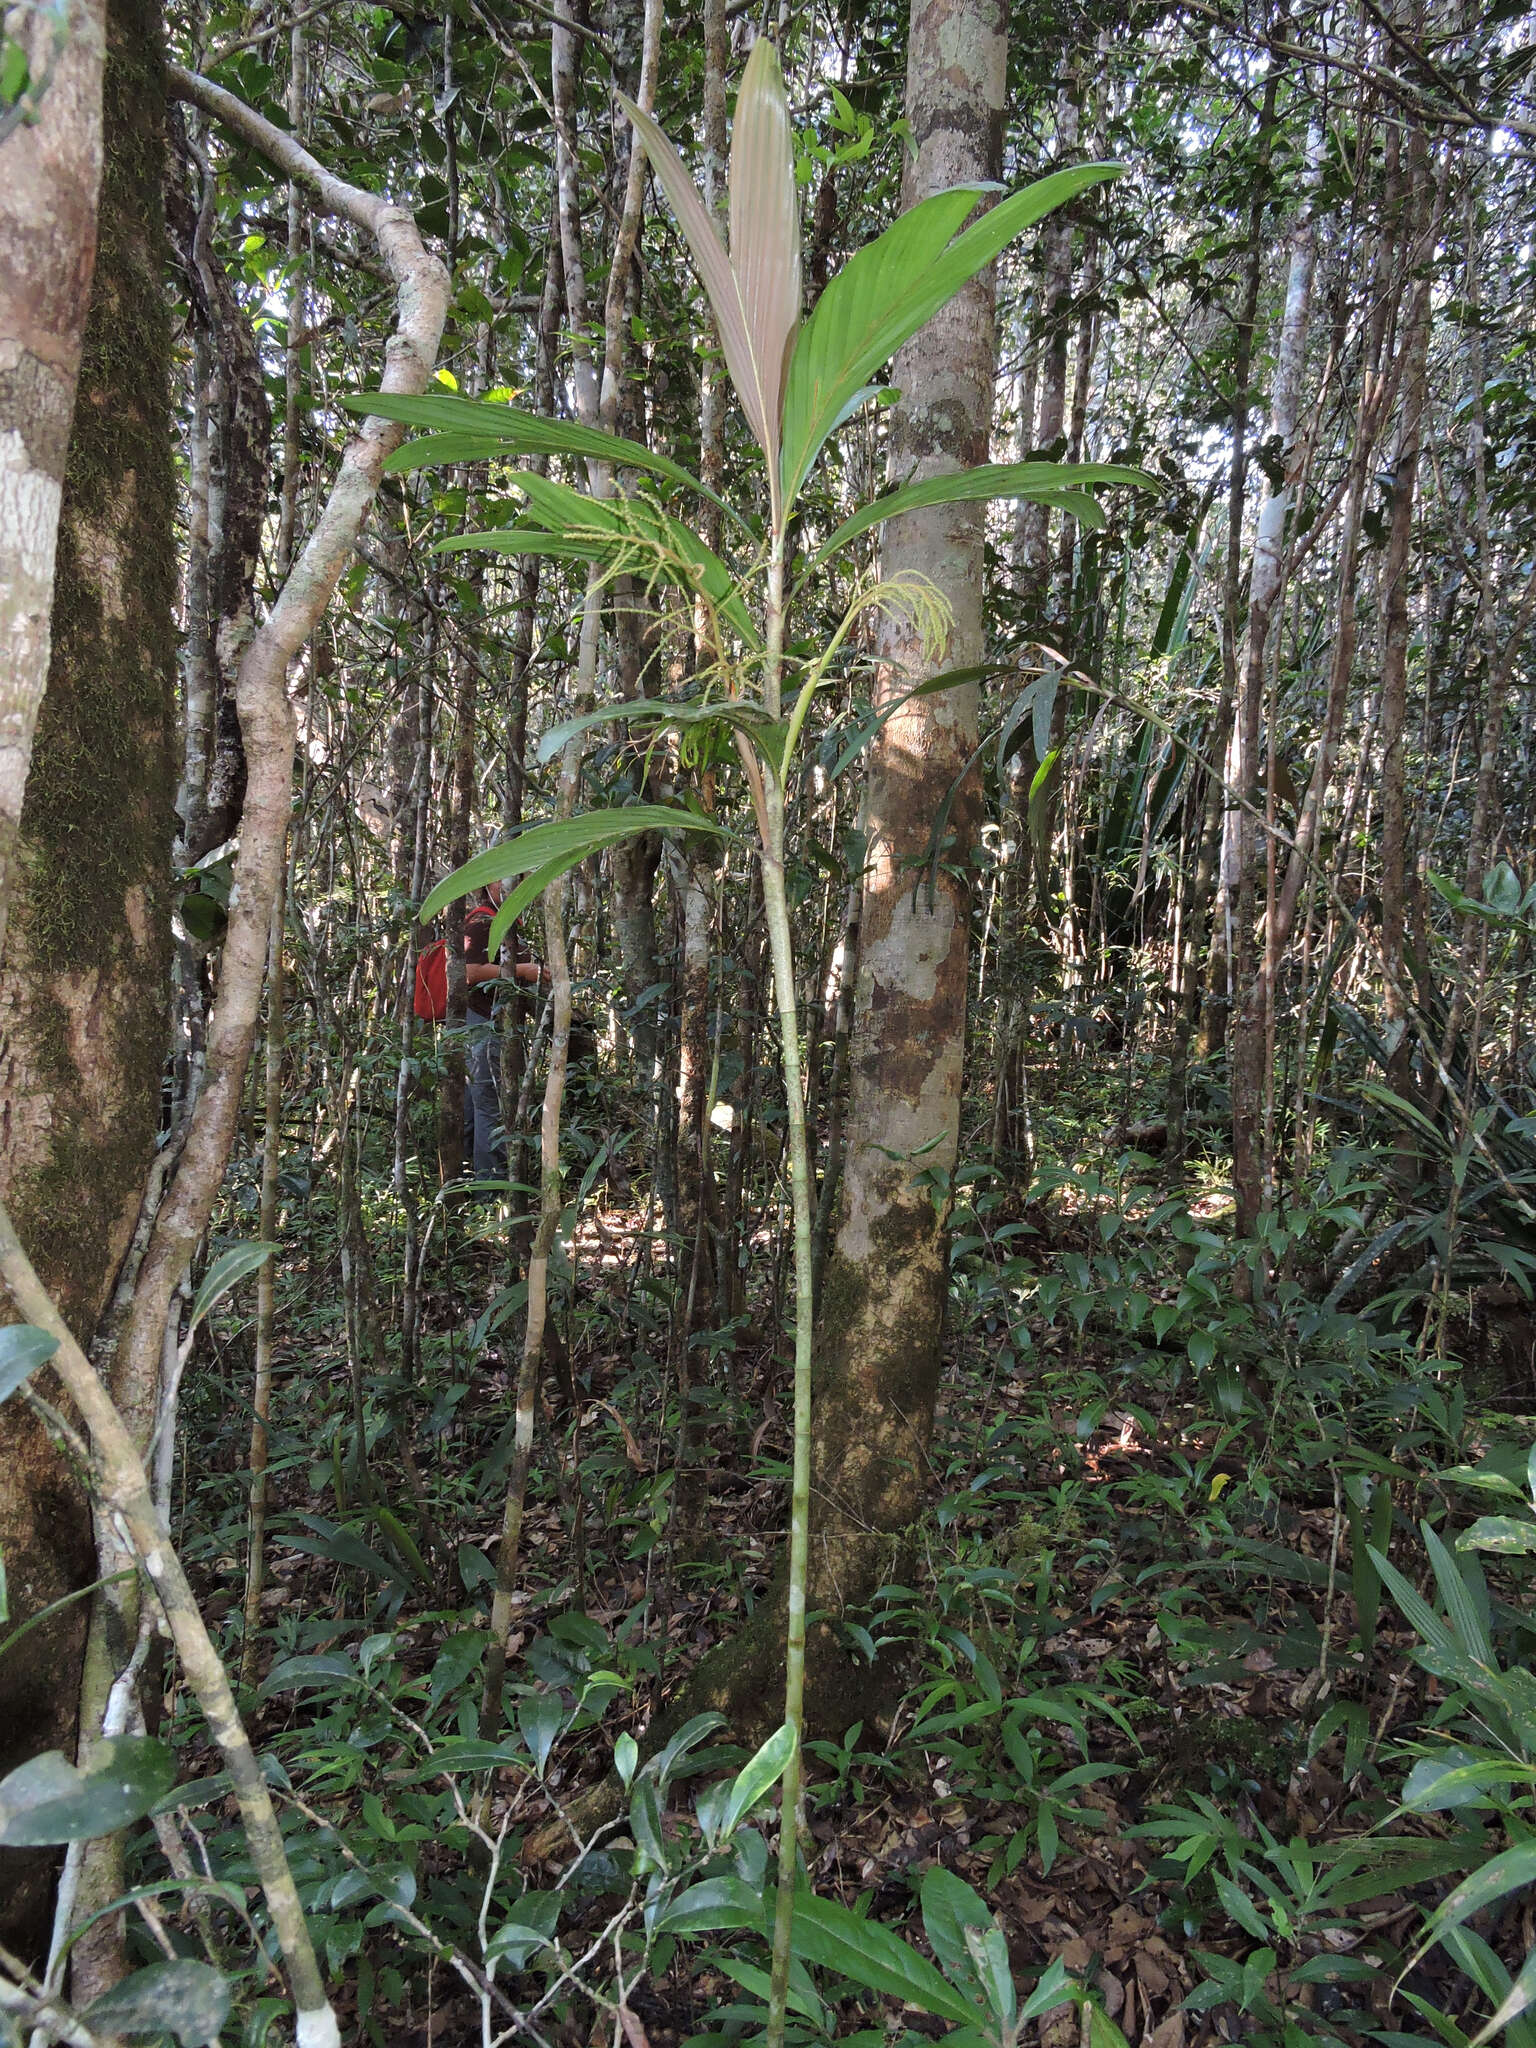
781, 945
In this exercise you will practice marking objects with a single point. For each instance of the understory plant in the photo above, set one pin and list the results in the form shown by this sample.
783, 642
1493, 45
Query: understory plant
797, 383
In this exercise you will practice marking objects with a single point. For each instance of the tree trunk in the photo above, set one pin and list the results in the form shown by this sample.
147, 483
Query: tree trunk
1266, 583
83, 993
883, 1300
1395, 835
1050, 353
48, 231
230, 508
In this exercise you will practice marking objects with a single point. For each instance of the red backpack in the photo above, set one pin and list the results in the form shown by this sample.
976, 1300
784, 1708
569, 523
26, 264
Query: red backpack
432, 972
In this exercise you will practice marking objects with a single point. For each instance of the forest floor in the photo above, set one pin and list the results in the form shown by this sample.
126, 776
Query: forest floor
1139, 1704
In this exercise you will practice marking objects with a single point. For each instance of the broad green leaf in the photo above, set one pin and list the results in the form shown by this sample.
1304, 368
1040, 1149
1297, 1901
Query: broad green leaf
1501, 1533
693, 1731
492, 429
1054, 1988
1511, 1870
565, 840
322, 1668
527, 893
46, 1800
180, 1997
1438, 1784
757, 1777
675, 546
801, 1998
341, 1546
1172, 627
715, 1904
463, 1753
404, 1542
746, 717
1239, 1907
949, 1908
1416, 1610
1400, 1867
540, 1717
1051, 483
1459, 1605
534, 1918
871, 1955
1488, 1972
1202, 1349
645, 1823
989, 1952
1100, 2031
459, 1656
1409, 1112
1039, 794
889, 289
23, 1348
1501, 890
1518, 1999
1329, 1968
626, 1754
227, 1271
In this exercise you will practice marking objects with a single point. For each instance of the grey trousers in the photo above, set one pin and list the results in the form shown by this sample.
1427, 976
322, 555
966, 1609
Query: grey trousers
484, 1140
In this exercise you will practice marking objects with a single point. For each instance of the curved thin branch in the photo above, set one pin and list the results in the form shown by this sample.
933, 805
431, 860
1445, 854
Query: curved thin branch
266, 717
119, 1425
124, 1493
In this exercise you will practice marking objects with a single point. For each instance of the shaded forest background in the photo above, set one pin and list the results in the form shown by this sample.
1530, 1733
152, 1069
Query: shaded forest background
1163, 996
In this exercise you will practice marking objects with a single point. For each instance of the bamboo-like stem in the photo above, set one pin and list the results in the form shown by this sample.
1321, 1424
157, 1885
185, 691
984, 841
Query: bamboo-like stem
781, 946
124, 1496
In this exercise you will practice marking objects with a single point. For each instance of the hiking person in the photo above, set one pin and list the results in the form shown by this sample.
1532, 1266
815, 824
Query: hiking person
483, 977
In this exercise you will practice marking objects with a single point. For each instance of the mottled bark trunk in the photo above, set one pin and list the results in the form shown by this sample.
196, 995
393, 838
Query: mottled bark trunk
239, 447
83, 1016
198, 686
1266, 583
1235, 743
883, 1297
48, 231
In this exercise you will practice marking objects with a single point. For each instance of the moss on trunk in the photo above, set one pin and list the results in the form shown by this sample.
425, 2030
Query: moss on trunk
83, 996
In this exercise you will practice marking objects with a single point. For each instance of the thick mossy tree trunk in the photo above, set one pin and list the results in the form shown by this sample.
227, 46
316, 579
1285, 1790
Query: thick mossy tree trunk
84, 986
877, 1362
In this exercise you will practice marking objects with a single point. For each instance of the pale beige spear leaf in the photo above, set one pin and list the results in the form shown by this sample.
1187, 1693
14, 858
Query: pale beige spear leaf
756, 332
765, 227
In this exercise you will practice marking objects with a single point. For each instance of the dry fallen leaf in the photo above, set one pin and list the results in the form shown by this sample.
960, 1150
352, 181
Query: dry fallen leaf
1169, 2033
